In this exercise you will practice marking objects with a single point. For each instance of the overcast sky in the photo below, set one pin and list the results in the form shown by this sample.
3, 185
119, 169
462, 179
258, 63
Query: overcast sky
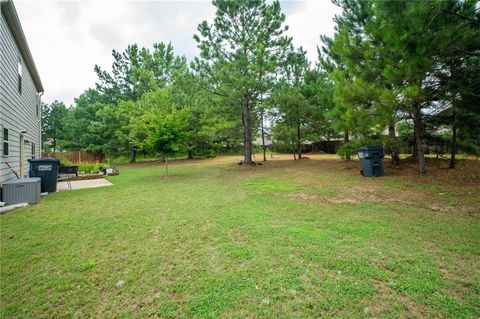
68, 38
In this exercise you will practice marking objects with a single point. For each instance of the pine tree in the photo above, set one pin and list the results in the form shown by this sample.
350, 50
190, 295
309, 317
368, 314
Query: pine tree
240, 53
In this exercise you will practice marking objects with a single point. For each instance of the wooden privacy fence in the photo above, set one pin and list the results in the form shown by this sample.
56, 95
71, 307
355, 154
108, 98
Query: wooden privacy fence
76, 156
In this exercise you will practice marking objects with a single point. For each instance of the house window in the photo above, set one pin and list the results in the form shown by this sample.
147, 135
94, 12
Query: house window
5, 142
33, 150
19, 70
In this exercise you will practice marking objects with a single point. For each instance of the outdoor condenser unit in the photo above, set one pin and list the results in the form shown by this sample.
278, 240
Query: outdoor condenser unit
18, 191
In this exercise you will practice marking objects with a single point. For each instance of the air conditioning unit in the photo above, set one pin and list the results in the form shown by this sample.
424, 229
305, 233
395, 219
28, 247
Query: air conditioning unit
18, 191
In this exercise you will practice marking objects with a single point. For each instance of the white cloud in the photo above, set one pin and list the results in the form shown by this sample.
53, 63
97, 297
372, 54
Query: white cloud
310, 20
68, 38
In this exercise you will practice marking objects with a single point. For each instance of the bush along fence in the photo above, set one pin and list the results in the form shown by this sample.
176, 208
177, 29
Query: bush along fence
76, 156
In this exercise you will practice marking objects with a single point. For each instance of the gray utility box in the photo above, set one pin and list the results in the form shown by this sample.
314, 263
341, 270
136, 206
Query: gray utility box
18, 191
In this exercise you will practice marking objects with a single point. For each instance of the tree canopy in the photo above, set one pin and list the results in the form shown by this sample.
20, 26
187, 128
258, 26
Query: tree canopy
399, 73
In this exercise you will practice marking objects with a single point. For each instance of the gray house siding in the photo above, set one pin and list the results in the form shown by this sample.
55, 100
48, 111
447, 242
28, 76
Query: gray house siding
18, 111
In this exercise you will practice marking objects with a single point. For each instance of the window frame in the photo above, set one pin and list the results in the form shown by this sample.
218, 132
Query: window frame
6, 142
20, 75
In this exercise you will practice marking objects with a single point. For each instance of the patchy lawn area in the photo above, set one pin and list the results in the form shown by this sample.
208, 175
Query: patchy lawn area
303, 239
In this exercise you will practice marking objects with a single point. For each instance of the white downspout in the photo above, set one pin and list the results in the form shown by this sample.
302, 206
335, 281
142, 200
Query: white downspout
40, 142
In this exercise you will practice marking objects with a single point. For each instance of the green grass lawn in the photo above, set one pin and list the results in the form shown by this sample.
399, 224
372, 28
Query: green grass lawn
303, 239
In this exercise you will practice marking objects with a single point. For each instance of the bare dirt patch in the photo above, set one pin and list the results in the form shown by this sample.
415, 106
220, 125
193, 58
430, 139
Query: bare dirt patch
442, 190
353, 196
302, 196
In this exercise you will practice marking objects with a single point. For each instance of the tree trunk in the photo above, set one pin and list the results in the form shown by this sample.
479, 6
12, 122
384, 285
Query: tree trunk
190, 154
247, 134
133, 154
263, 140
346, 139
417, 120
293, 149
393, 146
299, 143
453, 150
166, 166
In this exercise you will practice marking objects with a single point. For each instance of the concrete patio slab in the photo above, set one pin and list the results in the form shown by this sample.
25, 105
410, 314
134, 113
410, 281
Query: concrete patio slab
90, 183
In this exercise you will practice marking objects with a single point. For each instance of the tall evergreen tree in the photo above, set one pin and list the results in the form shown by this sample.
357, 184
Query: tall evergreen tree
53, 123
134, 72
240, 53
84, 130
290, 105
389, 60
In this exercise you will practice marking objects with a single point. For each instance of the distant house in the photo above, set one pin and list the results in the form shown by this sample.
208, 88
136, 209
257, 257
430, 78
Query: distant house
20, 92
258, 139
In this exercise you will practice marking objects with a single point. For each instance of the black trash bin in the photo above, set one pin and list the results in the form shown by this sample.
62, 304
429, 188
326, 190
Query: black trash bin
371, 160
47, 169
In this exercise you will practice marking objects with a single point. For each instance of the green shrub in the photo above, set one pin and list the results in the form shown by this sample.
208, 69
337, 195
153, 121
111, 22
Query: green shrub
84, 167
347, 150
90, 167
64, 162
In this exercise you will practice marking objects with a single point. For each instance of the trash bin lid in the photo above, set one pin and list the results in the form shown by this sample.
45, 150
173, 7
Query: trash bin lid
373, 147
43, 159
370, 148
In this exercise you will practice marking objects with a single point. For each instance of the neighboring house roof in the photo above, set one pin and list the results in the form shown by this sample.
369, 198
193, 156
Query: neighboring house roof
258, 140
11, 17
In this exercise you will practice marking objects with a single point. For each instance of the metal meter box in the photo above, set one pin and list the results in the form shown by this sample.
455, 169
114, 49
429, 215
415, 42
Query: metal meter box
18, 191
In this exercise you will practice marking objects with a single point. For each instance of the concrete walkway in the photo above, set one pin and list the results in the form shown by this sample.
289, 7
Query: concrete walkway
90, 183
